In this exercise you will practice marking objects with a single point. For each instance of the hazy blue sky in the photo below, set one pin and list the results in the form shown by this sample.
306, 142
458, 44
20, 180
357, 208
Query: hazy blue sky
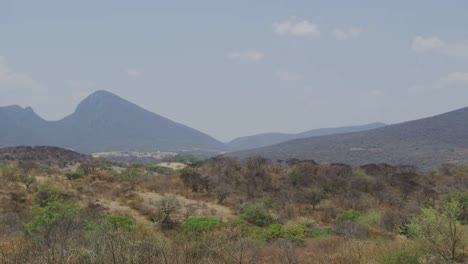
234, 68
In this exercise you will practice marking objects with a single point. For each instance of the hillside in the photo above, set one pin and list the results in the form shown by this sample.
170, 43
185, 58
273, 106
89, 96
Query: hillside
102, 122
267, 139
42, 155
227, 211
425, 142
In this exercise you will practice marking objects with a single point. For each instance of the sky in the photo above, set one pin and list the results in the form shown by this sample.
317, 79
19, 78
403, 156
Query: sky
237, 68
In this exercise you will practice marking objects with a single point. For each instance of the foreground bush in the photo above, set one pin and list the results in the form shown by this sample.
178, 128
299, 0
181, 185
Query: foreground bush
255, 214
197, 226
440, 231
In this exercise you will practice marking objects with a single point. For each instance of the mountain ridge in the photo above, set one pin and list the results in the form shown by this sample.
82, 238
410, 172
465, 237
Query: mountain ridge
425, 142
267, 139
102, 122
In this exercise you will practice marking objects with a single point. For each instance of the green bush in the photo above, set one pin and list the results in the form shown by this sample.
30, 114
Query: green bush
440, 231
73, 175
119, 222
405, 256
326, 232
462, 199
295, 232
270, 233
267, 202
372, 217
359, 172
255, 214
54, 212
197, 226
47, 193
9, 172
349, 215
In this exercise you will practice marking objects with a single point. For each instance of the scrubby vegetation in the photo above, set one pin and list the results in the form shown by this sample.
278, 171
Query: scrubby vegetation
228, 211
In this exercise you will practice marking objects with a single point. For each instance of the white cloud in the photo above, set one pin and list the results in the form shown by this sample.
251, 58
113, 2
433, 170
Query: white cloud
134, 72
451, 80
346, 33
249, 55
296, 27
376, 92
455, 78
288, 76
11, 80
423, 44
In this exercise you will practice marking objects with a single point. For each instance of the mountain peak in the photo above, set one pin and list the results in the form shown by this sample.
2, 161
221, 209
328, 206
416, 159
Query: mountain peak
18, 110
101, 95
99, 101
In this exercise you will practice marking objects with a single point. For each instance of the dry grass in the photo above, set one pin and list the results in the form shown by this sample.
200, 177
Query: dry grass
172, 165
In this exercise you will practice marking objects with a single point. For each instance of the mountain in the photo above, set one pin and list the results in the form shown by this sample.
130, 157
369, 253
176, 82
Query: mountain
20, 126
425, 143
102, 122
267, 139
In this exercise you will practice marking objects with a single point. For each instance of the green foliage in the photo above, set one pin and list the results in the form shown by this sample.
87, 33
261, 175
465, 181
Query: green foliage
190, 159
9, 172
326, 232
372, 217
462, 198
255, 214
47, 193
133, 174
119, 222
73, 175
27, 180
406, 256
294, 232
197, 226
109, 239
270, 233
54, 212
89, 167
267, 202
295, 178
313, 197
359, 172
440, 231
349, 215
159, 169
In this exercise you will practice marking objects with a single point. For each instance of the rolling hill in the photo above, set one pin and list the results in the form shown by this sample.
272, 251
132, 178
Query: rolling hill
102, 122
42, 155
425, 143
267, 139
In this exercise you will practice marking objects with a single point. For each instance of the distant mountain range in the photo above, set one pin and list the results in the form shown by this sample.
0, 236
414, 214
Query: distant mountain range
267, 139
102, 122
425, 143
105, 122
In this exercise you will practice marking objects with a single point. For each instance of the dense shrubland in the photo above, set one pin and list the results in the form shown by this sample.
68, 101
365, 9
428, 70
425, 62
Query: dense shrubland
228, 211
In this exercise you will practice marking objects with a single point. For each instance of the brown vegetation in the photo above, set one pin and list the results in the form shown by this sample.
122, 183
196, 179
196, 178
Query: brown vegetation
256, 211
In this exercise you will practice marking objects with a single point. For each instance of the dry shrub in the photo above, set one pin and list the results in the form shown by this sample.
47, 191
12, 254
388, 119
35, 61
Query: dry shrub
282, 252
137, 203
336, 250
10, 225
321, 250
117, 191
164, 184
105, 176
14, 250
329, 214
